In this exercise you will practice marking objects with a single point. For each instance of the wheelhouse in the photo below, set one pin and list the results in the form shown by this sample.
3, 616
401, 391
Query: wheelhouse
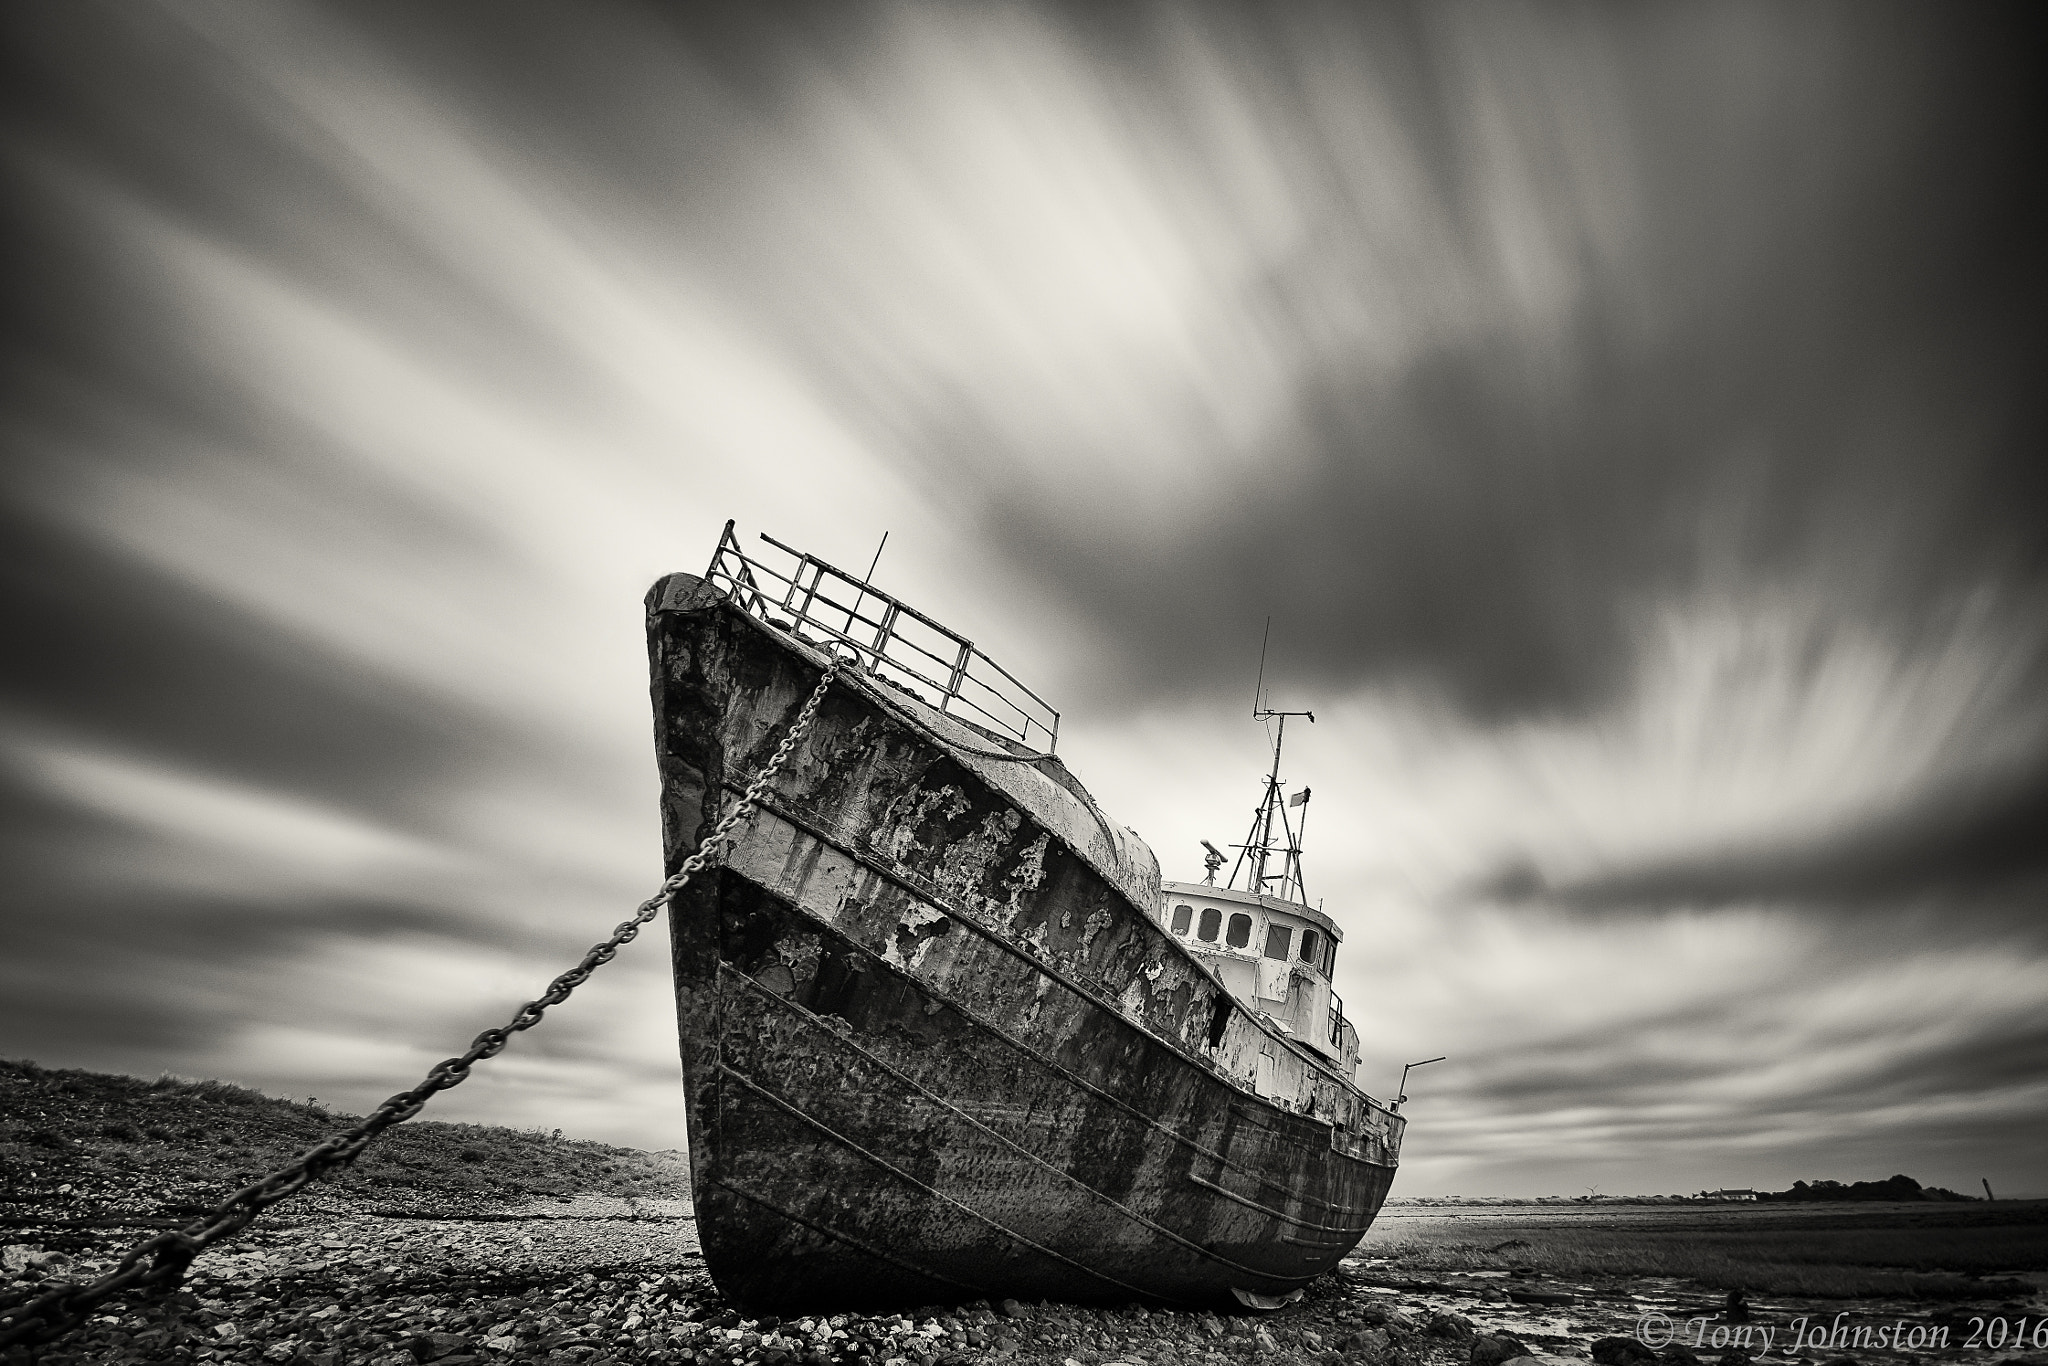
1276, 956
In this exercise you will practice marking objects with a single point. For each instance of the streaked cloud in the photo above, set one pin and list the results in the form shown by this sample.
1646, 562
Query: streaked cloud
1628, 418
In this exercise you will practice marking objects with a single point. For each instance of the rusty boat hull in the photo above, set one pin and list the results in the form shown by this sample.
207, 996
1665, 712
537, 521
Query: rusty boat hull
934, 1048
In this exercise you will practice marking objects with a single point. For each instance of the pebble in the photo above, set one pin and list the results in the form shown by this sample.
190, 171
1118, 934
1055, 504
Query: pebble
595, 1283
356, 1290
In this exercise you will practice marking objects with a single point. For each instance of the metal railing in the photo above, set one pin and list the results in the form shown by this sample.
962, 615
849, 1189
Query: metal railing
895, 642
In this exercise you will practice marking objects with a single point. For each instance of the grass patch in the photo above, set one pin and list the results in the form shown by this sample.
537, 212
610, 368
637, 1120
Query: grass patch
126, 1145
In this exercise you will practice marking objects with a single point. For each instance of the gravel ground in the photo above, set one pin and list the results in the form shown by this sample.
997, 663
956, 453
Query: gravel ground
619, 1281
461, 1248
457, 1244
603, 1281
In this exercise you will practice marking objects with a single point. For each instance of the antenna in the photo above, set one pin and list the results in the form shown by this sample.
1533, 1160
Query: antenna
1259, 688
1259, 845
1211, 861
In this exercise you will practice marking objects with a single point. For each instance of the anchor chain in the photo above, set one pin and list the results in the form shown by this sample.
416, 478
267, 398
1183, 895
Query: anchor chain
160, 1262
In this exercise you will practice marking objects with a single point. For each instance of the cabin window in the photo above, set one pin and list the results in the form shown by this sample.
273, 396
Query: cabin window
1336, 1021
1330, 959
1212, 921
1183, 916
1240, 931
1277, 939
1311, 944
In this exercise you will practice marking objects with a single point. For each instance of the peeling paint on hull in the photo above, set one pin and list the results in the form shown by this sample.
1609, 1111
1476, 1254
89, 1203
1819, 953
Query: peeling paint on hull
934, 1047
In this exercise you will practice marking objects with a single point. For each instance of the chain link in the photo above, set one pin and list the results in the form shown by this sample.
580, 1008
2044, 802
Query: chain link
159, 1263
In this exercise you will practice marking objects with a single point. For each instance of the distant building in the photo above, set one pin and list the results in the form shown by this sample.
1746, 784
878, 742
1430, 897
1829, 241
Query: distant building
1730, 1195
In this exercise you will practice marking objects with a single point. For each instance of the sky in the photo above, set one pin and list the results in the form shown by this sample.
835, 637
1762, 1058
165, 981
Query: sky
1629, 419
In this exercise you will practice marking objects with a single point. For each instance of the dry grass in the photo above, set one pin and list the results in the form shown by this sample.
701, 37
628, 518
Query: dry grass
172, 1145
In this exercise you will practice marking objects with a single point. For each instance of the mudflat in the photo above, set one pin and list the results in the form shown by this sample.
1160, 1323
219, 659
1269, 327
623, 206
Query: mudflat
1563, 1275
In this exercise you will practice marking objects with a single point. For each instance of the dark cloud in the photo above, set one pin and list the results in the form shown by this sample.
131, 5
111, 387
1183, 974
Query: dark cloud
1982, 851
1785, 1091
1838, 243
114, 949
110, 650
161, 972
1452, 338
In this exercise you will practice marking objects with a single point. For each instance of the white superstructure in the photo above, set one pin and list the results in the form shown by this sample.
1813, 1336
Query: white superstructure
1275, 956
1275, 953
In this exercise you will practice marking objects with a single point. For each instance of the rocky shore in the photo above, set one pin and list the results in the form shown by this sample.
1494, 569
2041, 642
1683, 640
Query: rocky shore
618, 1281
614, 1282
465, 1246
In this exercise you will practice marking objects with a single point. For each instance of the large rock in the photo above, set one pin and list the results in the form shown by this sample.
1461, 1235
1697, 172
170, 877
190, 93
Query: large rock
1456, 1327
434, 1346
1542, 1297
1621, 1352
1496, 1350
1372, 1342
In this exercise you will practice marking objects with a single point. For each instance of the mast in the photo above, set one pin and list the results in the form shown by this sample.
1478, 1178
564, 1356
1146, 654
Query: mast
1259, 846
1262, 843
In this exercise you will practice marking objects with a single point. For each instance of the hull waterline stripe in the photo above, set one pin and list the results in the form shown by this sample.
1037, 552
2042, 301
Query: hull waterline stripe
1272, 1213
1076, 1079
843, 1141
811, 1020
855, 1243
1319, 1245
1046, 969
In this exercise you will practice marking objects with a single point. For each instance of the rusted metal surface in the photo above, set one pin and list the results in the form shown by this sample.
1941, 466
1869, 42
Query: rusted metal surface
934, 1045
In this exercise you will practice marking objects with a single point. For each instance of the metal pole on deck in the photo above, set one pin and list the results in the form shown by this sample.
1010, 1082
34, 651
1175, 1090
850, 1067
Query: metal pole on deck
862, 596
1402, 1093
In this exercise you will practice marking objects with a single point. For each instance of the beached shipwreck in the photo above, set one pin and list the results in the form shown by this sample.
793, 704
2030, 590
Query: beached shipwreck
945, 1033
